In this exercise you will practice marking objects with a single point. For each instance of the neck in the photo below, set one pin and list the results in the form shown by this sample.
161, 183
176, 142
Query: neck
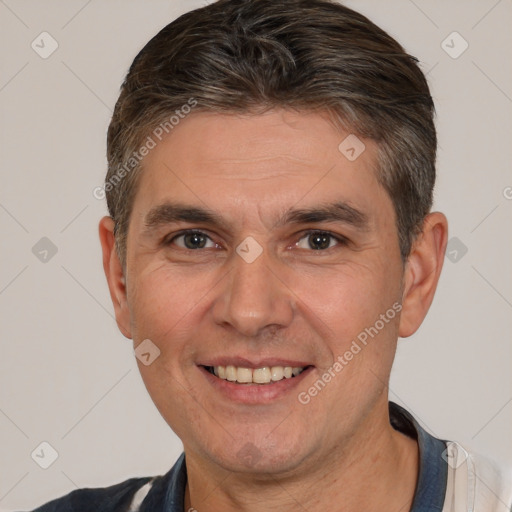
375, 470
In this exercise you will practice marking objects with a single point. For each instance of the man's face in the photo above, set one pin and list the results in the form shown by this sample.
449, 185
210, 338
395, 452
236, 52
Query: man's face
254, 242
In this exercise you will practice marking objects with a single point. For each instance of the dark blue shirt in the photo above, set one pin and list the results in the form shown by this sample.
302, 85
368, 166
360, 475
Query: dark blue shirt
167, 493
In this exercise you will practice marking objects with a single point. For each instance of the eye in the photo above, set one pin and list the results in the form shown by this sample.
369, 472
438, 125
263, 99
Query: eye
193, 240
318, 241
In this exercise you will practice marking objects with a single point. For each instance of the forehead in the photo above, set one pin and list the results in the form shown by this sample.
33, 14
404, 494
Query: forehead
264, 162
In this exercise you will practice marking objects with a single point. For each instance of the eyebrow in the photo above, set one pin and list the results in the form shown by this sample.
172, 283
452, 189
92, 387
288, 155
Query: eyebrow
332, 212
168, 213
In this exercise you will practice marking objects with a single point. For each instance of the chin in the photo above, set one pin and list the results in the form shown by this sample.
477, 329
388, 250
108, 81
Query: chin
264, 456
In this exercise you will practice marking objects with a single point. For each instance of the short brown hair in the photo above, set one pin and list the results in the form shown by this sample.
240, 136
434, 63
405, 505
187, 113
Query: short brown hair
248, 56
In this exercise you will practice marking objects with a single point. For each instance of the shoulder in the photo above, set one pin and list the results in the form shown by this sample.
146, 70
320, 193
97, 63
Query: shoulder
105, 499
134, 495
476, 483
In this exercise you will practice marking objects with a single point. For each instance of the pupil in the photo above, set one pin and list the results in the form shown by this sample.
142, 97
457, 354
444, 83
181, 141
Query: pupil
195, 241
319, 241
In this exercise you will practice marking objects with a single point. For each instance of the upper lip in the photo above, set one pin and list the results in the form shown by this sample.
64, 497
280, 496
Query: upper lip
253, 363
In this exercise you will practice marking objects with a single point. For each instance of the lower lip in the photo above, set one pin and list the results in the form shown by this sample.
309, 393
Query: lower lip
255, 393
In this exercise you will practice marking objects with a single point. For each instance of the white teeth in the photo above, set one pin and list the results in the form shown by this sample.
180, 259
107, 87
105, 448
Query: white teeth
277, 372
264, 375
261, 375
244, 375
231, 373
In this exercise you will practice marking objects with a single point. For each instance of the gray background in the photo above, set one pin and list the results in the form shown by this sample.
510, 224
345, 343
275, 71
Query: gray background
68, 377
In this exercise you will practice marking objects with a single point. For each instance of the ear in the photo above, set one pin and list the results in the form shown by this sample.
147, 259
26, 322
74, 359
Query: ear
422, 272
115, 275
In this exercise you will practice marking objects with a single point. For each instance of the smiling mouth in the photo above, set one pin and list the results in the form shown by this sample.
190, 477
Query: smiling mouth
265, 375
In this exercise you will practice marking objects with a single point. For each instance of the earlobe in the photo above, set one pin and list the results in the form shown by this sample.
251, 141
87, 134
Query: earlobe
422, 272
115, 275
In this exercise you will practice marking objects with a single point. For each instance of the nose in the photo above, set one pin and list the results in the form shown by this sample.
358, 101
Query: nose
254, 297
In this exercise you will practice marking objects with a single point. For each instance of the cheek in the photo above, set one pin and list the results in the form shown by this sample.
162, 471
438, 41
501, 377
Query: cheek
166, 309
347, 299
166, 302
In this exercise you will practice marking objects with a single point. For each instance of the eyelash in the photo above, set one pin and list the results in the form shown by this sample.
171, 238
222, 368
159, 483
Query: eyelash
341, 240
169, 241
